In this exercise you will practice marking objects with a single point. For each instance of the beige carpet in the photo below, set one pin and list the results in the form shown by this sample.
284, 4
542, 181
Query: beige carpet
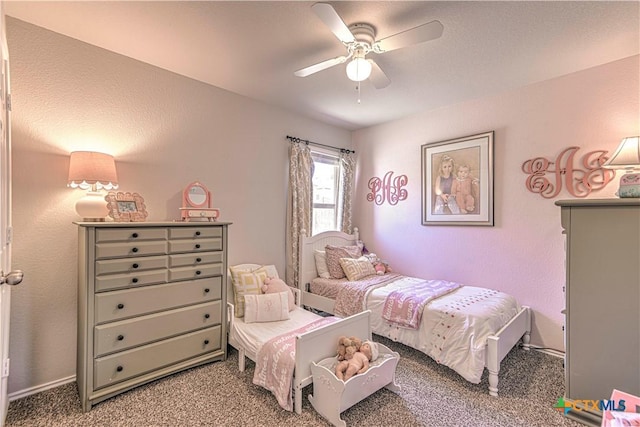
218, 394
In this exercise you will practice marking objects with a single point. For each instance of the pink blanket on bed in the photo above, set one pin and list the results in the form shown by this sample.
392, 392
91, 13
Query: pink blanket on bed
275, 362
404, 307
350, 299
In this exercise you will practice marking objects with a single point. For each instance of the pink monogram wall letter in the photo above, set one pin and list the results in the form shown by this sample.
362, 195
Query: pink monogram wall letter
387, 189
579, 182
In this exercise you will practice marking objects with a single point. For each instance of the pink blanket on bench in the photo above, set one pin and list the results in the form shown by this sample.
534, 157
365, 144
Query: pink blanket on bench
275, 362
404, 307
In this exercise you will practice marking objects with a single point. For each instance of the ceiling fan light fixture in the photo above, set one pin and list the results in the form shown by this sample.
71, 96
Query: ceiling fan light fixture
358, 69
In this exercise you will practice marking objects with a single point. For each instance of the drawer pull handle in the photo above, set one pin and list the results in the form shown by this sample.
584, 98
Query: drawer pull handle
198, 259
206, 290
206, 316
120, 306
134, 249
134, 235
135, 265
206, 342
134, 280
197, 246
198, 272
119, 369
120, 337
197, 233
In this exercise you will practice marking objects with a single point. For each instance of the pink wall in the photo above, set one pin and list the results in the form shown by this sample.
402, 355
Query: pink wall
523, 254
165, 131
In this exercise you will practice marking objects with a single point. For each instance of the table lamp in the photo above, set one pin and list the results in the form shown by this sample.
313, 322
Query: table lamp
92, 171
627, 158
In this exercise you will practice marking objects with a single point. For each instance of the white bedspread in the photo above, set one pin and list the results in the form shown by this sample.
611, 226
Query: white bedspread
454, 327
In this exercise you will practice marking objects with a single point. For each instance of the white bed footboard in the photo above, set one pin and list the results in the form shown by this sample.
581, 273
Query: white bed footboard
499, 345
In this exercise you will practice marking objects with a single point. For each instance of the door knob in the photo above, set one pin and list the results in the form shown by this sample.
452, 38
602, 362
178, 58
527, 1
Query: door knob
13, 278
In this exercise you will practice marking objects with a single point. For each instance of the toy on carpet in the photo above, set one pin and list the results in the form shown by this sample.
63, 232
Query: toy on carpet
359, 363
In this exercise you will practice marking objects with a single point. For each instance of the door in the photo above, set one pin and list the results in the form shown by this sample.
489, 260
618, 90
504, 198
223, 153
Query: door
7, 277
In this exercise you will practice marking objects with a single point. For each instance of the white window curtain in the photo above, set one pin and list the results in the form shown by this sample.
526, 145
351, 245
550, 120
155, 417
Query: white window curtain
347, 168
299, 205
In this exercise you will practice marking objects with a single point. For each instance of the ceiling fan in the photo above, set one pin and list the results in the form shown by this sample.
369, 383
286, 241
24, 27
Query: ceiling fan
360, 40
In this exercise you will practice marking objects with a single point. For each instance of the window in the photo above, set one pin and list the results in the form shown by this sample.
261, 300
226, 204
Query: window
326, 186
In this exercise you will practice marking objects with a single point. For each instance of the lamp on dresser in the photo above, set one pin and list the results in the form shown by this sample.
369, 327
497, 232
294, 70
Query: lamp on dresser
92, 171
627, 158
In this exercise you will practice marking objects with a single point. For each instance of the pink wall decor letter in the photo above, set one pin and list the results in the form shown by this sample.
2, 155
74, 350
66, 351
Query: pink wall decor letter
387, 189
578, 182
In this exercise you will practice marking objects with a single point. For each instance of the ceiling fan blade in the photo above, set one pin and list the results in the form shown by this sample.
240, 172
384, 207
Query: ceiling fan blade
422, 33
321, 66
330, 17
378, 78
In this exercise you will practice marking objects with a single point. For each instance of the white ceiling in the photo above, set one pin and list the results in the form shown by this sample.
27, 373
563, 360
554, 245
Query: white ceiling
253, 47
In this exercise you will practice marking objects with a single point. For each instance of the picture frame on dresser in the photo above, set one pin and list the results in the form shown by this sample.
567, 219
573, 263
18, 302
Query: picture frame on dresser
126, 207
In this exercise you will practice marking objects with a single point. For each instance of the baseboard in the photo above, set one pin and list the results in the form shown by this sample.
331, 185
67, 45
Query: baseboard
37, 389
549, 351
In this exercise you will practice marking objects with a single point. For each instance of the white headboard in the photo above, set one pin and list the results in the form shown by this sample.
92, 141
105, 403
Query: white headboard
307, 271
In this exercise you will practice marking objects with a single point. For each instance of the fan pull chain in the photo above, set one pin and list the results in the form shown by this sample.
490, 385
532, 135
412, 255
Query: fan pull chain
358, 87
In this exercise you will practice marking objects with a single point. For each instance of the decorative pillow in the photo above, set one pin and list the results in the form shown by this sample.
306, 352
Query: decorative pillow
249, 283
270, 270
321, 264
356, 269
274, 286
236, 270
333, 255
266, 307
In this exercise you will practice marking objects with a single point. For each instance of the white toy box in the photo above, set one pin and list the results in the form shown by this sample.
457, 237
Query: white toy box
331, 396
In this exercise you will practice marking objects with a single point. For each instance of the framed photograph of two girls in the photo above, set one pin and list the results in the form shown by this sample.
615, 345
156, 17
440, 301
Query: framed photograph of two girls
457, 181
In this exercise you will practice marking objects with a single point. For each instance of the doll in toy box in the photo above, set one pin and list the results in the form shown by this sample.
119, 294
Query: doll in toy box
332, 395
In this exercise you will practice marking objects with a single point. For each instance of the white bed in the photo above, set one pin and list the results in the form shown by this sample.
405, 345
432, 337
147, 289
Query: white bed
502, 331
311, 346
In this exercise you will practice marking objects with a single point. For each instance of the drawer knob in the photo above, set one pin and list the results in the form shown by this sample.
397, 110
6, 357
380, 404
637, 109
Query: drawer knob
198, 259
206, 342
134, 235
197, 233
134, 280
120, 337
134, 249
120, 306
206, 316
119, 369
206, 290
135, 265
198, 272
198, 246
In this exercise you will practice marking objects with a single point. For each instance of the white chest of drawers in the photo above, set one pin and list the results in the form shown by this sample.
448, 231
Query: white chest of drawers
151, 302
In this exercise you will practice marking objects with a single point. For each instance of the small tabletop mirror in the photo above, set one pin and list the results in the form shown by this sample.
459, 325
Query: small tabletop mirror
196, 195
196, 203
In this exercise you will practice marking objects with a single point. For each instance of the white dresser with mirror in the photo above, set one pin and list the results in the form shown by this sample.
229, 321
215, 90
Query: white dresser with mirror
151, 302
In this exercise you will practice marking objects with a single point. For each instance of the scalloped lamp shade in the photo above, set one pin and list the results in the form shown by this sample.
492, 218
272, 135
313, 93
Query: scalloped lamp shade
92, 171
627, 158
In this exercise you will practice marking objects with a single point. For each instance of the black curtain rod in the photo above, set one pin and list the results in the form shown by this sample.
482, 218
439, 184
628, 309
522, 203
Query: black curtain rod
296, 139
